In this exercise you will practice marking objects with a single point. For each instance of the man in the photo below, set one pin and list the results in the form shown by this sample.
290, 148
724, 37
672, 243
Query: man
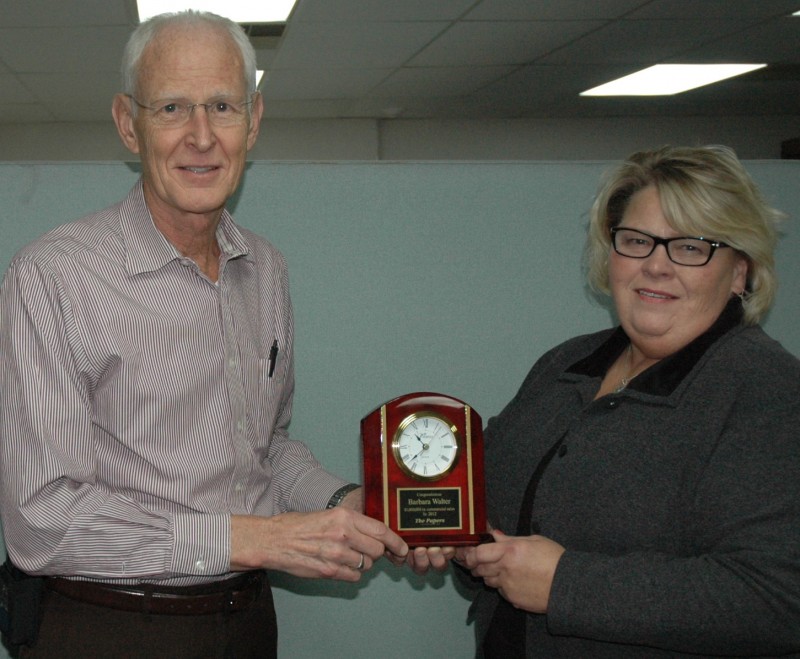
147, 379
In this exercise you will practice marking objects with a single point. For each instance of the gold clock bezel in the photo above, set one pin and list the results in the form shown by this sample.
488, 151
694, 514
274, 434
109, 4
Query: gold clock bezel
407, 422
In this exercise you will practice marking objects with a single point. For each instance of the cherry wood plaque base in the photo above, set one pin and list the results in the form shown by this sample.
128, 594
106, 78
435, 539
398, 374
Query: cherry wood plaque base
423, 470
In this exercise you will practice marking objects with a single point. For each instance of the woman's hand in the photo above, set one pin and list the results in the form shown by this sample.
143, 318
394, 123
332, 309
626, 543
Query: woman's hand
521, 569
422, 559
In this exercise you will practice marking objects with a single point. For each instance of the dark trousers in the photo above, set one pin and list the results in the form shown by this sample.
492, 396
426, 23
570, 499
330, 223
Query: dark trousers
71, 628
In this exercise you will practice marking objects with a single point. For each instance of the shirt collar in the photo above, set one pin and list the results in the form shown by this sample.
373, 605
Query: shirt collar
664, 376
147, 249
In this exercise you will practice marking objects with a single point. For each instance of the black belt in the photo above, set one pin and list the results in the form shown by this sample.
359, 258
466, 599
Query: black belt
232, 594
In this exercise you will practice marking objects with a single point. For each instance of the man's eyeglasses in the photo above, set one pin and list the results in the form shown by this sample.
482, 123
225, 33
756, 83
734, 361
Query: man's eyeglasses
682, 250
176, 113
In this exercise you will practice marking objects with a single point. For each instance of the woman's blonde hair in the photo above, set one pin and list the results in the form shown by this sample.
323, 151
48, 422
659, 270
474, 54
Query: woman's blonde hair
704, 191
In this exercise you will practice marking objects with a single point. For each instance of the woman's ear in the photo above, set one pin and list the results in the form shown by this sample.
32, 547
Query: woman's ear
740, 269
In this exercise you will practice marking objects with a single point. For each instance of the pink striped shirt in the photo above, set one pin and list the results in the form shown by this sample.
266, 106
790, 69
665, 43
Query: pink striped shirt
138, 410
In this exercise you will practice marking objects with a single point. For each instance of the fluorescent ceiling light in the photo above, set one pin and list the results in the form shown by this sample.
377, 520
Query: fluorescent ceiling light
665, 79
241, 11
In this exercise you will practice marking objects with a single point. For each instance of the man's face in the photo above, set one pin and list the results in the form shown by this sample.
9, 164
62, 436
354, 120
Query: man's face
191, 169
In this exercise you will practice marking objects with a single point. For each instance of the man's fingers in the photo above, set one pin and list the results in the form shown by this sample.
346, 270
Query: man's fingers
379, 531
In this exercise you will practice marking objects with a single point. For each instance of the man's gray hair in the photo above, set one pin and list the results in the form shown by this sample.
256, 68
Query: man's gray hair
149, 29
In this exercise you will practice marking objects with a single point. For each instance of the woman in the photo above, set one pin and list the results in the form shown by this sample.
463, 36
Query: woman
647, 478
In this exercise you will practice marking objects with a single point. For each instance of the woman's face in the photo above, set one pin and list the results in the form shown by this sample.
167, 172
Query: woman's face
663, 306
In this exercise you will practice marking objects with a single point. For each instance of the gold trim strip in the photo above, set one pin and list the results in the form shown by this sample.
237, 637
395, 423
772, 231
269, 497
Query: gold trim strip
468, 427
384, 466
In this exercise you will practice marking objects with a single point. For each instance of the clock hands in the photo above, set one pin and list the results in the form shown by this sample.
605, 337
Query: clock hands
424, 448
436, 449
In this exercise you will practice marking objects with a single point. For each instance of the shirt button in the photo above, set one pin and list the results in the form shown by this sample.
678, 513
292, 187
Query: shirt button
200, 565
239, 487
612, 404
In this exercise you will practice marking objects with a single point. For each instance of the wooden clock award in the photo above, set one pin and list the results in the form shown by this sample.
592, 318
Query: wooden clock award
423, 470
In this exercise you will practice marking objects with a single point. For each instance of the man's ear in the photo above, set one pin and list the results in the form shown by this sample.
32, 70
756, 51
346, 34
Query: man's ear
256, 111
122, 112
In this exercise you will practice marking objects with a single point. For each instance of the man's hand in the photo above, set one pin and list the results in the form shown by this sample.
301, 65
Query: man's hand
331, 544
354, 500
421, 559
522, 569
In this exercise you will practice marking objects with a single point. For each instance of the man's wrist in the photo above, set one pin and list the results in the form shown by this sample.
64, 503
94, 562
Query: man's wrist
340, 494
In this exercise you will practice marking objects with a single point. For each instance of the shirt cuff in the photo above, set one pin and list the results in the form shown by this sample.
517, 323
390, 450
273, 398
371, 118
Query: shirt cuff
202, 544
315, 490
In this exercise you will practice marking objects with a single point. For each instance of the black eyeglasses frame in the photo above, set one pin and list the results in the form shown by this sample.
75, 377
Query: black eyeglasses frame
713, 244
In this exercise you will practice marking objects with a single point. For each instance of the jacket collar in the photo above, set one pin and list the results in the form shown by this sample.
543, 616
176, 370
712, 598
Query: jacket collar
663, 377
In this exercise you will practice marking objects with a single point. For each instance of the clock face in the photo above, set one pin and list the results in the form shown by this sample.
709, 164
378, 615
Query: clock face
425, 446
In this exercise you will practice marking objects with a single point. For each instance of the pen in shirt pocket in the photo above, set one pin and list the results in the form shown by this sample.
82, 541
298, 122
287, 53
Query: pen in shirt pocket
273, 357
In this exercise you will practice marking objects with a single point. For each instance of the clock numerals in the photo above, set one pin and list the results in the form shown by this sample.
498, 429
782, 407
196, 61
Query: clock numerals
425, 446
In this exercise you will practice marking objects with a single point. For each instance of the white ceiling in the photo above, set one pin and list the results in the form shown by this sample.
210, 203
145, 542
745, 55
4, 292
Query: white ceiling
443, 59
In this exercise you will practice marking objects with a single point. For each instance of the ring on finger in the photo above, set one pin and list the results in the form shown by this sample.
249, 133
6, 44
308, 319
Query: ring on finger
360, 565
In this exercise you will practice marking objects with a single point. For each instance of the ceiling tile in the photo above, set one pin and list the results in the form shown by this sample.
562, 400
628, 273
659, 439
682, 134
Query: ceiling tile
692, 9
640, 42
773, 41
381, 10
418, 58
439, 81
12, 90
59, 13
63, 49
500, 42
320, 84
353, 45
543, 10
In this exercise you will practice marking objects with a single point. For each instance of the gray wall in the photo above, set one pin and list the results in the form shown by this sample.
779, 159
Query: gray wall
753, 137
450, 277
